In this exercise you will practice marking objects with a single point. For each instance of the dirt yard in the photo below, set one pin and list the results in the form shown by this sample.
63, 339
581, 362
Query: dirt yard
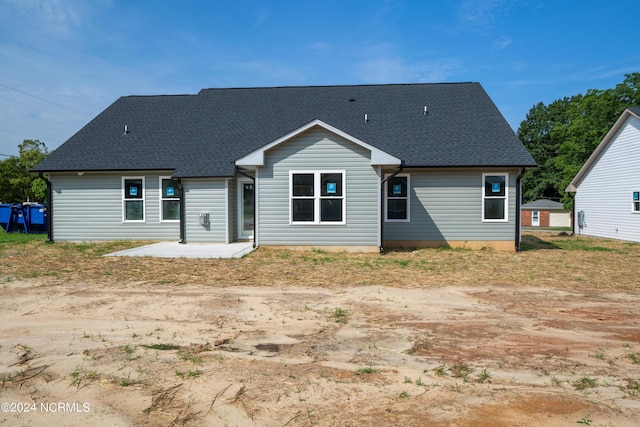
149, 353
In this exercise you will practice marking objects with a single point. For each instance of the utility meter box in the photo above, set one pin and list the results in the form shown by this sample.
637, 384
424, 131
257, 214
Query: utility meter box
581, 219
204, 219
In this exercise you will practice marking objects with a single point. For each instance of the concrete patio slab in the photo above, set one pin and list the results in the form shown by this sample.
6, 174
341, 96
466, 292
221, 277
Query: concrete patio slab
190, 250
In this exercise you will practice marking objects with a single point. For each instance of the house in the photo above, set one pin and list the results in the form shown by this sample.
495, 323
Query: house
607, 187
349, 167
545, 213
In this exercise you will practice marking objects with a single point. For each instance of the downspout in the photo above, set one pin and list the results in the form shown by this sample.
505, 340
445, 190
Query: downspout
183, 222
255, 228
518, 213
382, 183
49, 208
573, 213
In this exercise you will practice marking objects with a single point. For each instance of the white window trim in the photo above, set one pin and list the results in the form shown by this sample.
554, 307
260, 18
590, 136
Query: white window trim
505, 197
162, 199
143, 200
633, 203
386, 199
317, 197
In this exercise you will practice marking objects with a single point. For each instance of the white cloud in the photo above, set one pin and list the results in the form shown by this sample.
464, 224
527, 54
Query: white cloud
396, 70
52, 18
478, 15
501, 43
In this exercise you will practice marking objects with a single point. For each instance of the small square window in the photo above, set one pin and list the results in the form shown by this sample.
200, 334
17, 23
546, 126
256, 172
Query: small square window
331, 210
331, 184
303, 185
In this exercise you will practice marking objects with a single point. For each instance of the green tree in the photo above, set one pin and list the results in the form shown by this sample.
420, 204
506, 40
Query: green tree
562, 135
17, 184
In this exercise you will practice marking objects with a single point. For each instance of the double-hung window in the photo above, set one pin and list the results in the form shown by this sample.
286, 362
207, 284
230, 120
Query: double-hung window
494, 197
317, 197
636, 202
397, 195
170, 199
133, 199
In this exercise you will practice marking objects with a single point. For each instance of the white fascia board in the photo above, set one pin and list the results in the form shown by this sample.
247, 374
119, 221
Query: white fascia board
378, 157
575, 182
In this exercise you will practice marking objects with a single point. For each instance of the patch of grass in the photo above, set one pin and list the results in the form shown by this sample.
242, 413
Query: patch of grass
633, 387
484, 376
586, 420
634, 357
365, 371
339, 315
460, 370
599, 353
191, 353
404, 395
61, 262
441, 371
81, 377
584, 383
20, 238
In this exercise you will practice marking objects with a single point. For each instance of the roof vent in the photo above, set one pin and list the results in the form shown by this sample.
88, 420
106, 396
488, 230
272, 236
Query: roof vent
366, 118
126, 129
352, 100
425, 110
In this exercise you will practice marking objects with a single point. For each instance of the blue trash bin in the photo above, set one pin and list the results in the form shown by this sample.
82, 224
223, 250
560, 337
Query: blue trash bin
18, 221
5, 216
36, 216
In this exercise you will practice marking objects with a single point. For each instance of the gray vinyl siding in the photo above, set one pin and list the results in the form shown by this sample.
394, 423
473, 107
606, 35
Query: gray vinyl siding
605, 193
88, 207
446, 205
317, 150
206, 196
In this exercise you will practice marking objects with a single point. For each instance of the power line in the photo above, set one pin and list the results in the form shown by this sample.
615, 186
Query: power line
38, 97
30, 136
40, 108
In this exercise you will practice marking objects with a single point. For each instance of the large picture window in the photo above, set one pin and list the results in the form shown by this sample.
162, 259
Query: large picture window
494, 197
317, 197
397, 198
170, 199
133, 199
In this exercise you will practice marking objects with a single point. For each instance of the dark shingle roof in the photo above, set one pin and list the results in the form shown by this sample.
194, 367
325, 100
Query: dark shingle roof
543, 204
202, 135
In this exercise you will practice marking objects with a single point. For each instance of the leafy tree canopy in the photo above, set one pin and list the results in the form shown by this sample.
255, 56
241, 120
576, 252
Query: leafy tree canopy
562, 135
17, 184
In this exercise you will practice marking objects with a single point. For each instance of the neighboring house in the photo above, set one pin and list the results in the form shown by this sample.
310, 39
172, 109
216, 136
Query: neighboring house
607, 187
349, 167
545, 213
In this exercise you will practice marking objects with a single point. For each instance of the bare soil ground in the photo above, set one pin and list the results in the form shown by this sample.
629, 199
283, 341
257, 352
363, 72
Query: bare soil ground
538, 345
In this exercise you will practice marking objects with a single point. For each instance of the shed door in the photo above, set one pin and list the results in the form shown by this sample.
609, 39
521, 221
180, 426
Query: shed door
535, 218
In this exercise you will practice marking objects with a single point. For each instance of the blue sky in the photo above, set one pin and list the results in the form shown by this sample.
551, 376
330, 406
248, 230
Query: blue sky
64, 61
